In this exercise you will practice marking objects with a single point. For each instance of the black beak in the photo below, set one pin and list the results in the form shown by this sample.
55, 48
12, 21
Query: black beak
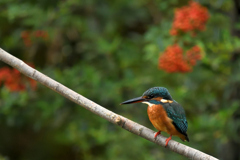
134, 100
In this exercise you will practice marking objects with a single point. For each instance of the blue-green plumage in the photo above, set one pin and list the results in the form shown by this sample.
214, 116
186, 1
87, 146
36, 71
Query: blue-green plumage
177, 114
164, 113
158, 92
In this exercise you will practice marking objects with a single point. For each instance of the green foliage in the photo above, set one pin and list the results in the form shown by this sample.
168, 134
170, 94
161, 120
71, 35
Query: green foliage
108, 52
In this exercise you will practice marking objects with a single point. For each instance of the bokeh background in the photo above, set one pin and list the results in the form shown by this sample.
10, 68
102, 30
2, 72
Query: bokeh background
111, 51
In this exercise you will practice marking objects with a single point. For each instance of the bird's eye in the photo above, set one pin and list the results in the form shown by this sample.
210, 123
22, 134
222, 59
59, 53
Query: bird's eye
150, 96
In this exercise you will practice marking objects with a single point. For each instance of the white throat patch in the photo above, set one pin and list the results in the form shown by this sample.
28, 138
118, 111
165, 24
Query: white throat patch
162, 100
149, 104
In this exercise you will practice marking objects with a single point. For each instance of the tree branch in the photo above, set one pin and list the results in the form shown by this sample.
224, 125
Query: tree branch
101, 111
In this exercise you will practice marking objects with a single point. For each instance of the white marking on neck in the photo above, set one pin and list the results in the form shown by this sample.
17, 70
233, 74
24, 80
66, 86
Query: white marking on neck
166, 101
149, 104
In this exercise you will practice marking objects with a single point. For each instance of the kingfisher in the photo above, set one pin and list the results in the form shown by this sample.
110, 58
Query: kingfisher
164, 113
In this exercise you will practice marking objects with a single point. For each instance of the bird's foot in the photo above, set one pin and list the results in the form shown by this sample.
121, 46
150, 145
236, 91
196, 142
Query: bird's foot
156, 134
167, 140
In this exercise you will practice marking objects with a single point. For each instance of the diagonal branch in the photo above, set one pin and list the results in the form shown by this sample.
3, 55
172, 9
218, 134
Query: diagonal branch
101, 111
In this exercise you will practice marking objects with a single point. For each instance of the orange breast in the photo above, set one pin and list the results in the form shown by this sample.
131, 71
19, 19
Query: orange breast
158, 117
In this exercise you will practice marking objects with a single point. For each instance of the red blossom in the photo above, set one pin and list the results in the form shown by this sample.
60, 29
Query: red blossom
25, 34
189, 18
172, 60
4, 74
14, 80
193, 55
41, 34
29, 36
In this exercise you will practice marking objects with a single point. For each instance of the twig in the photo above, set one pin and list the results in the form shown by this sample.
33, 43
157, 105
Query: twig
101, 111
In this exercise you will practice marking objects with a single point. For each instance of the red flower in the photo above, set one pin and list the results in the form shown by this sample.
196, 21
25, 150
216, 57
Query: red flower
30, 36
189, 18
193, 55
24, 34
172, 60
14, 80
41, 34
5, 73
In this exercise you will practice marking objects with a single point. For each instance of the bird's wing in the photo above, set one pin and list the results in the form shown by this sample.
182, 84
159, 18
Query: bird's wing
176, 112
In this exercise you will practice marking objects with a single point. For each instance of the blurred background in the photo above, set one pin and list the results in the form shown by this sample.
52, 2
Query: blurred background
111, 51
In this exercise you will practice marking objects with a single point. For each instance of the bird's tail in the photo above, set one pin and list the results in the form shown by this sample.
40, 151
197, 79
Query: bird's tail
184, 137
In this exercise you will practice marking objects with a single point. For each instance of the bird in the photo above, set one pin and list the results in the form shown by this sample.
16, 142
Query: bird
164, 112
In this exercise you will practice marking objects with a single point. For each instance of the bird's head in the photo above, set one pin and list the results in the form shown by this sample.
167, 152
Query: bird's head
155, 95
